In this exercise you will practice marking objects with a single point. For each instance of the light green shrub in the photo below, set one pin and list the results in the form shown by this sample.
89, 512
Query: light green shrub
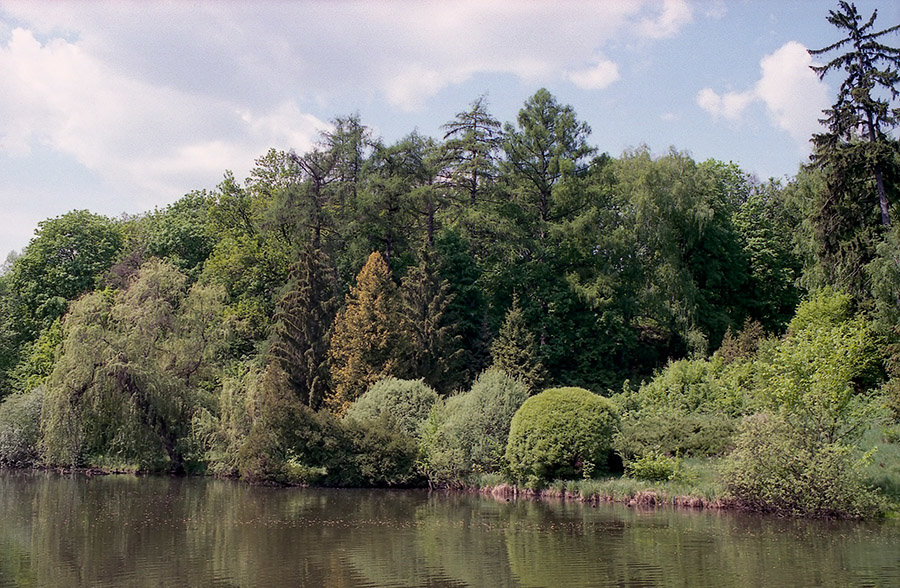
654, 467
779, 468
404, 404
818, 376
559, 432
467, 434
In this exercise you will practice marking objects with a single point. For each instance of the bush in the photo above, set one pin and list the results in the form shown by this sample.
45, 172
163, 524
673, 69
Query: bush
785, 470
674, 433
20, 428
560, 433
653, 467
403, 404
467, 435
818, 376
697, 385
379, 456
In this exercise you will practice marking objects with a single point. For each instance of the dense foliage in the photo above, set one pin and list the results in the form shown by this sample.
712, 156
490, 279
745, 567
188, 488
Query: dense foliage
466, 434
402, 405
560, 433
425, 289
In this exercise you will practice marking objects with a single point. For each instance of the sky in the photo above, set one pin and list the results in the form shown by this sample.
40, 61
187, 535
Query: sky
123, 107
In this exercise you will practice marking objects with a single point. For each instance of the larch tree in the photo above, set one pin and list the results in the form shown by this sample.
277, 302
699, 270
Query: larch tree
472, 140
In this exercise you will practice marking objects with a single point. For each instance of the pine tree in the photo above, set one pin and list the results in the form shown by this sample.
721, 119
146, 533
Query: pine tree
515, 350
368, 342
303, 329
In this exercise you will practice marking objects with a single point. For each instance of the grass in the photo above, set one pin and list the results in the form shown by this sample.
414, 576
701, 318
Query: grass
883, 471
697, 486
698, 483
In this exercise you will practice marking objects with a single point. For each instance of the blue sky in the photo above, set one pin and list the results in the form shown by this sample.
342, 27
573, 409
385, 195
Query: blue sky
120, 107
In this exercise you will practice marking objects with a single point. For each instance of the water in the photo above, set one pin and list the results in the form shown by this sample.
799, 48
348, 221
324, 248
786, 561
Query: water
134, 531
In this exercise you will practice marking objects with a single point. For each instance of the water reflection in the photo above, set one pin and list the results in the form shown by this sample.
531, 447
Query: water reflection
114, 531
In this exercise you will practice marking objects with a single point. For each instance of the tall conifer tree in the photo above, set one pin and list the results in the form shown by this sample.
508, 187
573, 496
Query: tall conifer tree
368, 341
303, 329
515, 350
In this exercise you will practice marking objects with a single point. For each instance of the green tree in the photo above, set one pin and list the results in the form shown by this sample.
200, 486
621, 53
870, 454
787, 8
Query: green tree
545, 189
856, 154
765, 228
544, 157
870, 66
368, 342
134, 367
471, 142
435, 345
466, 308
387, 206
302, 329
514, 350
182, 234
64, 259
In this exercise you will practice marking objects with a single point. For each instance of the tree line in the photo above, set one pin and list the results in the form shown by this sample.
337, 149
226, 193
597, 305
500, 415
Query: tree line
233, 330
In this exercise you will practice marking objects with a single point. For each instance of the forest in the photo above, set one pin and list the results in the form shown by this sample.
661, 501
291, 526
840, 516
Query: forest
502, 304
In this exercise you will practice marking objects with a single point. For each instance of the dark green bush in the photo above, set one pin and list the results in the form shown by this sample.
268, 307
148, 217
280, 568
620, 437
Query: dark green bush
561, 433
783, 469
378, 456
289, 443
674, 433
468, 433
404, 404
20, 428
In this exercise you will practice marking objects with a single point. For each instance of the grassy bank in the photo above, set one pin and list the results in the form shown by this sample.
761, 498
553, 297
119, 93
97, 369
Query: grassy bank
699, 486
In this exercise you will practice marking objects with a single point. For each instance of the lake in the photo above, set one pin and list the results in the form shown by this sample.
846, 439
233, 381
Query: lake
66, 531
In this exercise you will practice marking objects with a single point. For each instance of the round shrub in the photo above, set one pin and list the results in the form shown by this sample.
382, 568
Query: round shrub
560, 433
402, 404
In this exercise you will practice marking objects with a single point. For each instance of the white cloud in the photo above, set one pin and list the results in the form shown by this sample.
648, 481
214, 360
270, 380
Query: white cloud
730, 105
409, 89
406, 51
604, 73
674, 15
137, 136
792, 94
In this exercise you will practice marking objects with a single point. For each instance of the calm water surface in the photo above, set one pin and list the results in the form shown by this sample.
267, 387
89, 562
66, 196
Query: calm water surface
128, 531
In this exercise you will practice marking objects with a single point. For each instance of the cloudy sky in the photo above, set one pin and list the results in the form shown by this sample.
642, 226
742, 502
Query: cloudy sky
120, 107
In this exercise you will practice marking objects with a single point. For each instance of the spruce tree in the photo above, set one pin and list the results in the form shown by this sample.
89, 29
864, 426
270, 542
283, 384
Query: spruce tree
368, 342
857, 156
514, 350
303, 327
436, 348
860, 118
